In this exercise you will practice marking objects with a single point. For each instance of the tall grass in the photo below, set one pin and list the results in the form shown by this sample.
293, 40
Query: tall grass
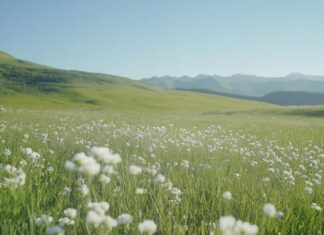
225, 153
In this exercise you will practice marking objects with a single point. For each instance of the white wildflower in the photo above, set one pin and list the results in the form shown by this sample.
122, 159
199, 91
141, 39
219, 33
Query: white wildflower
270, 210
140, 191
227, 195
124, 219
55, 230
159, 179
147, 226
104, 179
105, 155
134, 170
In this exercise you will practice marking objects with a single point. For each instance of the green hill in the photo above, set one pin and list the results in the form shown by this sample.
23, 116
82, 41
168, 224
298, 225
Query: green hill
27, 84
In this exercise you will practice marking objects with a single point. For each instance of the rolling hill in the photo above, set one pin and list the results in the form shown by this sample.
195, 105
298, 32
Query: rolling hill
241, 84
27, 84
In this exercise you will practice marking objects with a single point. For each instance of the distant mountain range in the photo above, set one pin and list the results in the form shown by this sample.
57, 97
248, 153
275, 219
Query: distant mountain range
293, 89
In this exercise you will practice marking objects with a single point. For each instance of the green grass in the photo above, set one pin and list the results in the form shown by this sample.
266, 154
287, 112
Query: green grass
25, 84
240, 142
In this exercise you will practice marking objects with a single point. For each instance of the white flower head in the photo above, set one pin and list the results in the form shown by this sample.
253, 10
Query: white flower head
99, 207
308, 190
94, 219
55, 230
82, 163
43, 219
134, 170
105, 155
270, 210
140, 191
316, 207
159, 179
84, 190
226, 223
71, 213
227, 195
109, 223
124, 219
104, 179
147, 226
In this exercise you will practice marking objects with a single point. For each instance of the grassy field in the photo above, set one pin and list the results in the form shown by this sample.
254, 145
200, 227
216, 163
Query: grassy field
186, 171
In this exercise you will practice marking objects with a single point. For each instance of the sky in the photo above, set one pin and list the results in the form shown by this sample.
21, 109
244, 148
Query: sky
144, 38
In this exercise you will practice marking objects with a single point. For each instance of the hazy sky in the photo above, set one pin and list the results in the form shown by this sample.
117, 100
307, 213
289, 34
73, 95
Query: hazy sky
142, 38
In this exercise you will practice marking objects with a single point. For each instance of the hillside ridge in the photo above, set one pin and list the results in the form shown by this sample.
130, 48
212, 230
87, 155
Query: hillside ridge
24, 83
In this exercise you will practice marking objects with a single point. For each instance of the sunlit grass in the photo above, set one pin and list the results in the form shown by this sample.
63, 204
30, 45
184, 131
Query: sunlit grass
225, 153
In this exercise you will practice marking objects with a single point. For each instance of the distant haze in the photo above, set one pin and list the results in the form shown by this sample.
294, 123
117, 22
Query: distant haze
242, 84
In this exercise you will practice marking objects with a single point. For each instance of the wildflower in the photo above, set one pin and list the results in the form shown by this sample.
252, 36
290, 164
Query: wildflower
55, 230
99, 207
140, 191
43, 219
66, 221
7, 152
124, 219
84, 190
83, 163
227, 195
316, 207
266, 179
280, 214
270, 210
50, 169
108, 169
229, 225
96, 216
159, 179
104, 179
205, 166
71, 213
147, 226
247, 228
109, 223
14, 177
308, 190
226, 223
94, 219
105, 155
66, 191
134, 170
185, 164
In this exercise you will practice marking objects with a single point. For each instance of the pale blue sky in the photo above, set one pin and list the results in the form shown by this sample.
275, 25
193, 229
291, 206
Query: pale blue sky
142, 38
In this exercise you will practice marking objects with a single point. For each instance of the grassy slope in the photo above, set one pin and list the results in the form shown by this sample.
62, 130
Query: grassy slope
31, 85
5, 58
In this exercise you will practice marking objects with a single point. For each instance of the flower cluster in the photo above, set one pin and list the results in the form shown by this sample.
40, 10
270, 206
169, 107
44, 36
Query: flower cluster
12, 176
228, 225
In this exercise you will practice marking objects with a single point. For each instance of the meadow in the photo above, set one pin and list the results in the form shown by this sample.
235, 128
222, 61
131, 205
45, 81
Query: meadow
97, 172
